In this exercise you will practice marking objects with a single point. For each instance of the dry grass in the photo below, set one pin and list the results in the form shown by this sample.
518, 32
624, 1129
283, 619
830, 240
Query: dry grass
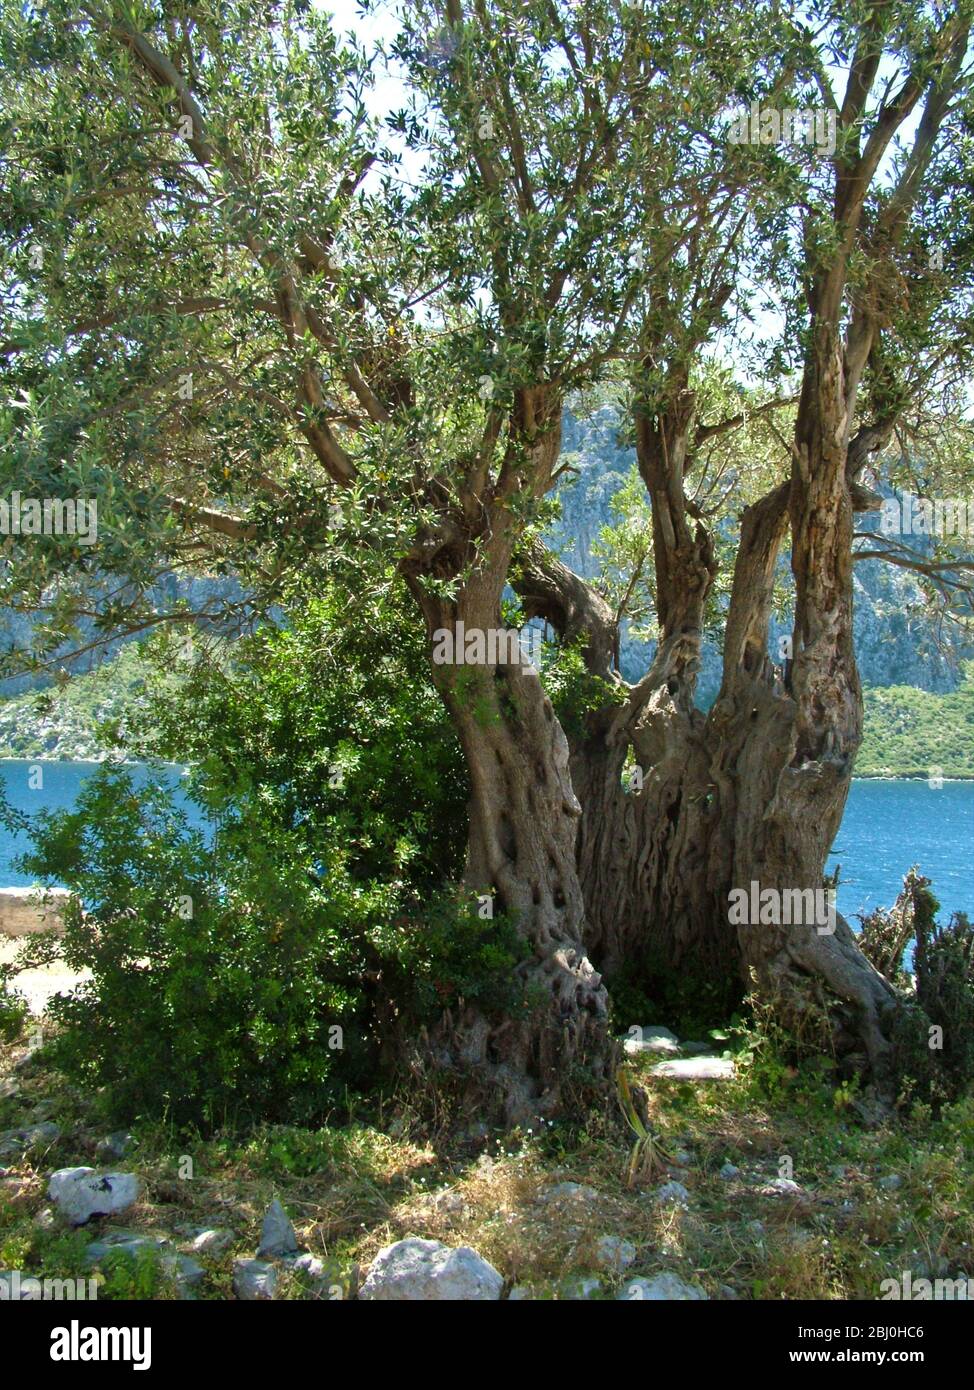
351, 1190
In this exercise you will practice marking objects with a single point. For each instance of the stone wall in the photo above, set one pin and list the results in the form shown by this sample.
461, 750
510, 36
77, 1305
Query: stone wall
22, 910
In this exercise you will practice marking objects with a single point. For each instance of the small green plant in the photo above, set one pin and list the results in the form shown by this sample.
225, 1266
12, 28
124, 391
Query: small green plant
762, 1051
132, 1275
574, 691
934, 1031
648, 1158
846, 1094
62, 1254
13, 1007
14, 1250
444, 953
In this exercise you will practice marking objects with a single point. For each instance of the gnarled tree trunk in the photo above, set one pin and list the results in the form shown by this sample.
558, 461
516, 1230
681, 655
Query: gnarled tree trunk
523, 819
644, 835
753, 791
782, 841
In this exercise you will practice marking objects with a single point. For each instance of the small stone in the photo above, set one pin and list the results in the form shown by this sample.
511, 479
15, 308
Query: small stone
277, 1238
81, 1193
186, 1273
310, 1265
46, 1133
254, 1280
696, 1069
654, 1030
673, 1193
130, 1243
448, 1203
730, 1170
891, 1183
18, 1287
521, 1293
19, 1141
756, 1229
656, 1047
785, 1186
870, 1109
662, 1287
424, 1270
114, 1145
189, 1274
683, 1158
729, 1293
213, 1242
614, 1254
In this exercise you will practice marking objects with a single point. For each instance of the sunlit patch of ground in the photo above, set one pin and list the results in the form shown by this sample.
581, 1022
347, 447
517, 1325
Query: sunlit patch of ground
351, 1188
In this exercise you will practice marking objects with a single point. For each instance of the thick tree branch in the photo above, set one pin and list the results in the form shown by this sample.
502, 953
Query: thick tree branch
548, 589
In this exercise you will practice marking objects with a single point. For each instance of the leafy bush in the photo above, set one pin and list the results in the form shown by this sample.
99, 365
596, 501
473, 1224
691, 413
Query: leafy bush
574, 691
886, 934
218, 973
944, 962
692, 1001
449, 955
257, 966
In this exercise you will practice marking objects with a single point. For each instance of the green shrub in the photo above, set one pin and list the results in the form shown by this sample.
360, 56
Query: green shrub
885, 935
449, 955
690, 1001
574, 691
218, 976
259, 967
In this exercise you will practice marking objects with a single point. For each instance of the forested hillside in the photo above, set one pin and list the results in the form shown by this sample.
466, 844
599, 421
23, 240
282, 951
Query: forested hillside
911, 733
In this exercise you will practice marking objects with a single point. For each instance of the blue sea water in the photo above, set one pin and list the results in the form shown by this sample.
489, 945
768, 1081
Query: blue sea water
56, 789
892, 824
888, 826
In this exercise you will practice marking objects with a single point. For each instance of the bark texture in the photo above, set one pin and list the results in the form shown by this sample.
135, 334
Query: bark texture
523, 818
753, 791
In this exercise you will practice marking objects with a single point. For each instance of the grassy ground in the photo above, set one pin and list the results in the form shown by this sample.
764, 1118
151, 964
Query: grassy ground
354, 1187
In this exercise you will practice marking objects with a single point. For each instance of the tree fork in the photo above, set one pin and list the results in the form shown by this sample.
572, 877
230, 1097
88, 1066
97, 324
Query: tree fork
523, 815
